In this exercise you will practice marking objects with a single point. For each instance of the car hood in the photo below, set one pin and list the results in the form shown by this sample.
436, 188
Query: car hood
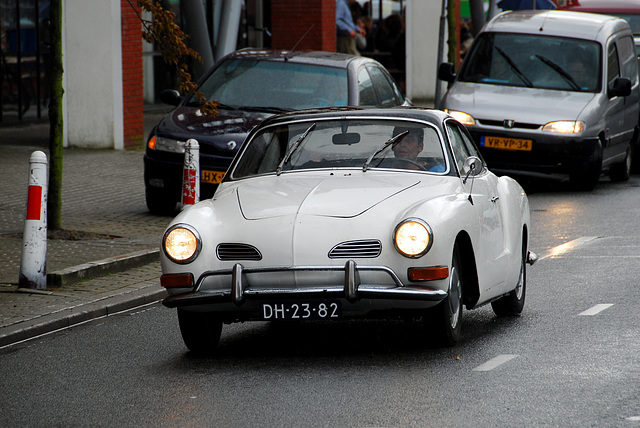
344, 196
525, 105
188, 122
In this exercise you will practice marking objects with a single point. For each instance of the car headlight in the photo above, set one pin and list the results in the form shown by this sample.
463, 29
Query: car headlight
166, 144
413, 238
181, 243
462, 117
565, 126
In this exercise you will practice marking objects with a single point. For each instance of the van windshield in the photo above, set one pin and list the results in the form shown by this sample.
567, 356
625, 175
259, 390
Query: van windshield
534, 61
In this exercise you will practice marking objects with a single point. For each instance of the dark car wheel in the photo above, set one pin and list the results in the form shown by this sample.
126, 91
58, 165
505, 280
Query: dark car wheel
200, 331
445, 320
622, 171
159, 204
512, 303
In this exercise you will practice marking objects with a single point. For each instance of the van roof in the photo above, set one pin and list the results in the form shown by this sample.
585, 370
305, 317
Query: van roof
563, 23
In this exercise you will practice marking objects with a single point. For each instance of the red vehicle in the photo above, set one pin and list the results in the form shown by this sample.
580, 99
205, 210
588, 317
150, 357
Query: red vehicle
628, 10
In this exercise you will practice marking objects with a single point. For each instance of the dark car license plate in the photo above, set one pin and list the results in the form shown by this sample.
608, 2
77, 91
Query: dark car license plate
321, 310
213, 177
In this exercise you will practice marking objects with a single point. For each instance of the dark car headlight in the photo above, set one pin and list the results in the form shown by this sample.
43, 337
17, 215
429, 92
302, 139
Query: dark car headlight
166, 144
181, 243
413, 238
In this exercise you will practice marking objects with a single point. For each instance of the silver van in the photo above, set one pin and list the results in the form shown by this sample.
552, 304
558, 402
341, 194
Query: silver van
550, 92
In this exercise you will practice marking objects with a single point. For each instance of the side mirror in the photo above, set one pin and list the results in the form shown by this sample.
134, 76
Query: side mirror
471, 167
170, 96
621, 87
446, 72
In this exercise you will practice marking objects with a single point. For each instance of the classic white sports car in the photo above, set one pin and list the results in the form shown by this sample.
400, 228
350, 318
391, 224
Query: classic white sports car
347, 212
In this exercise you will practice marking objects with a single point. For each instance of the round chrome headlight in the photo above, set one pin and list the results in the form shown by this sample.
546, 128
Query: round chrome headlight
181, 243
413, 238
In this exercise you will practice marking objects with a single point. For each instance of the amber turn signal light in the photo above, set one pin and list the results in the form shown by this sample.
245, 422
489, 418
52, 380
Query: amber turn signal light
176, 280
428, 273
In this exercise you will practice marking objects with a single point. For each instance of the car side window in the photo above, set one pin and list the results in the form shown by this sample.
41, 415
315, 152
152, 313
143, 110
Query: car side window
461, 144
613, 66
383, 87
626, 49
365, 88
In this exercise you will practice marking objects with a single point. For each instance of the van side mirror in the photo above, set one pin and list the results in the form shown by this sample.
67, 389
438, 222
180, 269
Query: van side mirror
170, 96
446, 72
621, 87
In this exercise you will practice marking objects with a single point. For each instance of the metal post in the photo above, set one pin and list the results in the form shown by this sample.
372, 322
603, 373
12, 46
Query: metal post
443, 18
191, 174
34, 248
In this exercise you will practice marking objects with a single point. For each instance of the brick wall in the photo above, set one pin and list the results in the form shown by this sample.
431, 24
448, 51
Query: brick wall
132, 83
290, 19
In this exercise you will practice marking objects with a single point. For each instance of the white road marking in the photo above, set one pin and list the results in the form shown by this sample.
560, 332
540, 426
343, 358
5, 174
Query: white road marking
494, 362
596, 309
567, 246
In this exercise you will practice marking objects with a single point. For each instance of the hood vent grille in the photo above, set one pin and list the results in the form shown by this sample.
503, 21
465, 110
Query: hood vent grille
368, 248
237, 252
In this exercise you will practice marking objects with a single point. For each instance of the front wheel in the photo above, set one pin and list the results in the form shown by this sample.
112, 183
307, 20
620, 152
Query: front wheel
200, 331
445, 320
513, 303
622, 171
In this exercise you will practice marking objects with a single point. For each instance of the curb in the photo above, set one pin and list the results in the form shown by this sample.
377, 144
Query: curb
79, 314
101, 267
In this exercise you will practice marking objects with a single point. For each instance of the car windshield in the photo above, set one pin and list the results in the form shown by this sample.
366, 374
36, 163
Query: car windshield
534, 61
365, 144
275, 85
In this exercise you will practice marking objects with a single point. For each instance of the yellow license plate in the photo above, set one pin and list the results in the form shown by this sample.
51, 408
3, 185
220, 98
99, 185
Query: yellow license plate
501, 143
212, 177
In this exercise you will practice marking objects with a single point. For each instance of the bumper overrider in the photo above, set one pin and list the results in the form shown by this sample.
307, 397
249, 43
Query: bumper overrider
352, 289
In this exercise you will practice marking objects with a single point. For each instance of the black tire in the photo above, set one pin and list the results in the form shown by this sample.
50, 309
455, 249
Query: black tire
200, 331
159, 204
445, 320
513, 303
622, 171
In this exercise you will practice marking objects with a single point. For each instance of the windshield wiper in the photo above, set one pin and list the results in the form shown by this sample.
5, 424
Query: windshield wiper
561, 71
514, 67
293, 148
389, 143
267, 109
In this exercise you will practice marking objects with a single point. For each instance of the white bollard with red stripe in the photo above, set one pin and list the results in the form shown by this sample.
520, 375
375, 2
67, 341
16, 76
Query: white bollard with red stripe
191, 174
34, 247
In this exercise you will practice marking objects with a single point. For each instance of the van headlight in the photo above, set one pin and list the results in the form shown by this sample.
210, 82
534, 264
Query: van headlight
181, 243
565, 126
413, 238
462, 117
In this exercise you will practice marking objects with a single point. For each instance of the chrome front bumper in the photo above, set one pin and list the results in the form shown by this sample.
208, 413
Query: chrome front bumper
352, 289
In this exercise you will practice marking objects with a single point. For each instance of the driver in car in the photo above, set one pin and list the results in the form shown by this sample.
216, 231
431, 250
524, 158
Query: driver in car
407, 149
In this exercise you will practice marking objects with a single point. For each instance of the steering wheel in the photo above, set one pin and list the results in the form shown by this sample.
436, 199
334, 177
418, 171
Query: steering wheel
420, 167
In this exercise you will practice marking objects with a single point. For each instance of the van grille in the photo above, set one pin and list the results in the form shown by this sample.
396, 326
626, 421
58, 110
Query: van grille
368, 248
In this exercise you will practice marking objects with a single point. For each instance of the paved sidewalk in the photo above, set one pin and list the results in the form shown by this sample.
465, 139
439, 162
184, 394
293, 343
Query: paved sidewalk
111, 265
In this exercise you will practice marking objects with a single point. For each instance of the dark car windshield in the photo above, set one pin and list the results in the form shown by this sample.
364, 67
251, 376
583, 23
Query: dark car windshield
256, 84
534, 61
343, 143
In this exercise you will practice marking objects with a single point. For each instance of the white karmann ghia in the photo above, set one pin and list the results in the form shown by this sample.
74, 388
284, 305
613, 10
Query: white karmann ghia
347, 212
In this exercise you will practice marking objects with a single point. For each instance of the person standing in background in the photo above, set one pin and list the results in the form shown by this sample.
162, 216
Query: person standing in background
346, 29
